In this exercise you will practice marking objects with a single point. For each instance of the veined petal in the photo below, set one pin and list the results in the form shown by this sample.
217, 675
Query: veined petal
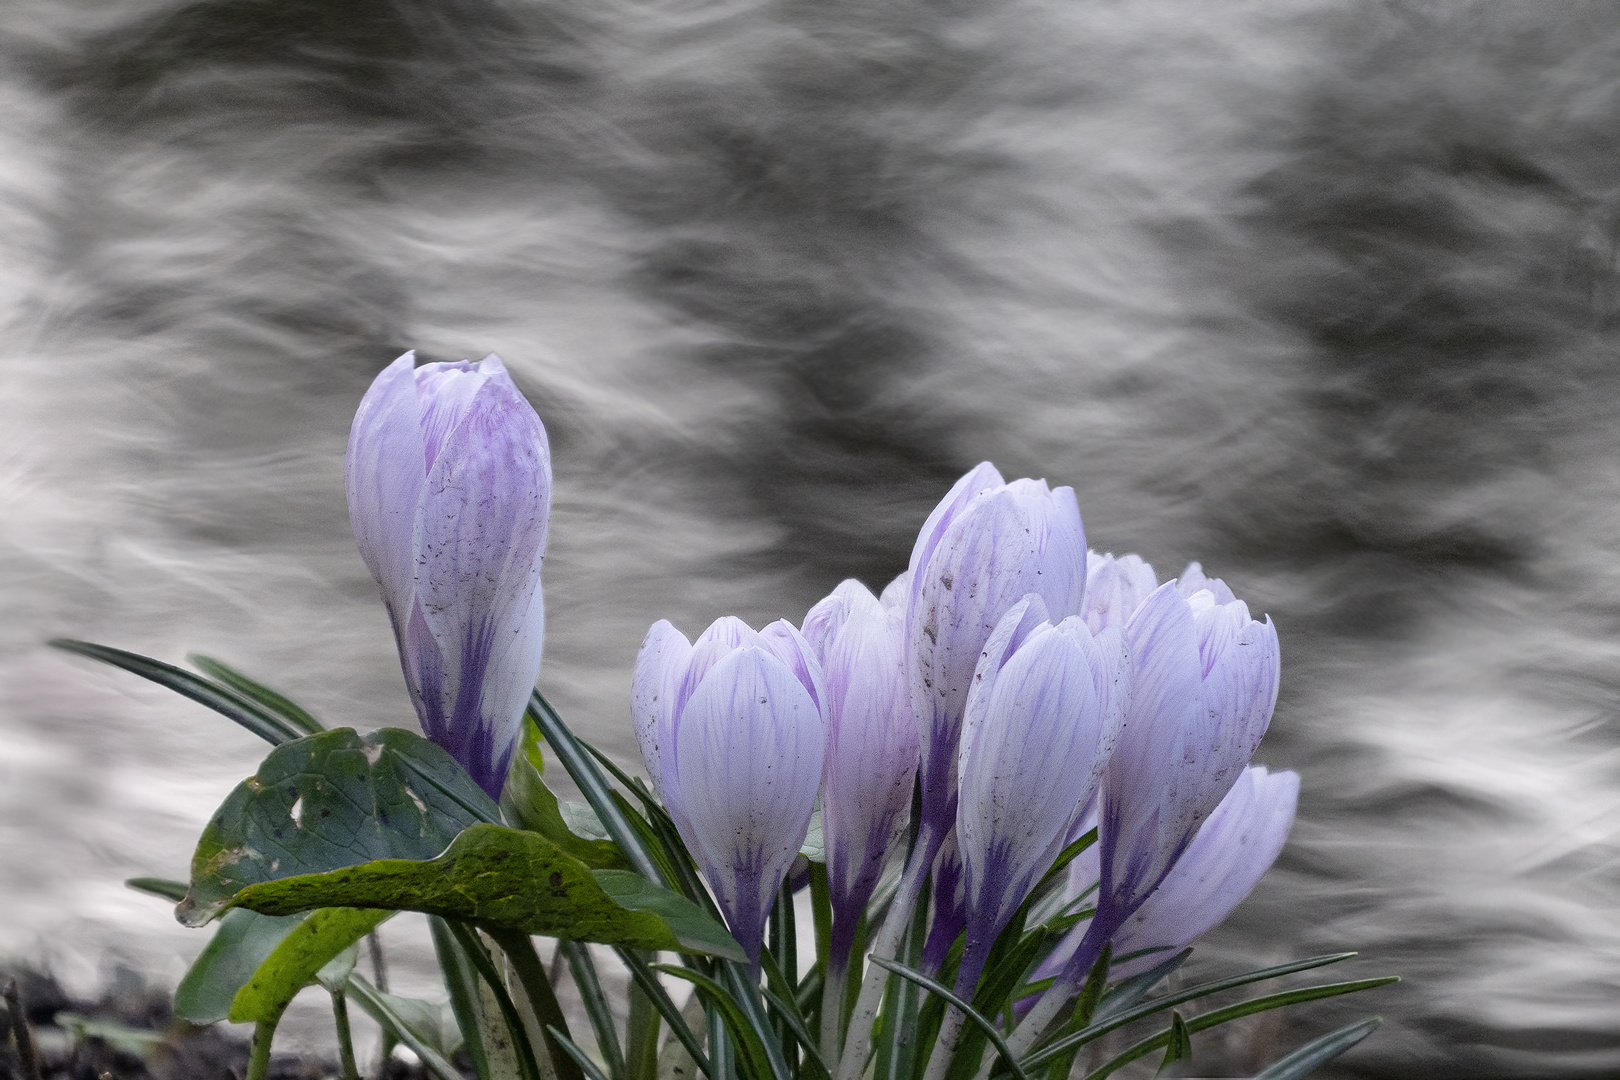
1231, 853
785, 642
1192, 580
660, 665
871, 742
1028, 763
384, 476
1114, 588
749, 748
897, 593
445, 394
479, 538
979, 479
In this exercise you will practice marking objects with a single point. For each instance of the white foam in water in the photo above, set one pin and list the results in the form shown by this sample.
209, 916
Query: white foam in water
1321, 294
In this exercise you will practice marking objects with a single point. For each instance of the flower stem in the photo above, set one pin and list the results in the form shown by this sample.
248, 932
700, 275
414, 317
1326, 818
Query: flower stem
886, 945
19, 1027
259, 1051
340, 1017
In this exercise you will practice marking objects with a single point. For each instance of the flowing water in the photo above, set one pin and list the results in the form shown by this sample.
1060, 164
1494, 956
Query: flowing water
1318, 292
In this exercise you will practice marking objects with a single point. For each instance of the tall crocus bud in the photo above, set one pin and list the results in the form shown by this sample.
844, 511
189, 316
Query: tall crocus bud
1231, 853
1042, 719
871, 747
733, 730
985, 547
449, 485
1114, 588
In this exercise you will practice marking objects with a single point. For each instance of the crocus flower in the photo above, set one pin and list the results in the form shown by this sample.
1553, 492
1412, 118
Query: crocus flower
1041, 721
449, 487
1204, 685
871, 746
733, 730
986, 546
1226, 859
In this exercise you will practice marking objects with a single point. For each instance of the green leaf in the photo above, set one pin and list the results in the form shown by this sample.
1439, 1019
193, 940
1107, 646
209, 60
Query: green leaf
644, 978
1242, 1009
1117, 1008
978, 1018
1179, 1047
593, 784
127, 1040
295, 962
531, 805
239, 946
736, 1020
222, 699
376, 1005
269, 700
597, 1009
1319, 1052
166, 888
511, 878
432, 1022
694, 929
328, 801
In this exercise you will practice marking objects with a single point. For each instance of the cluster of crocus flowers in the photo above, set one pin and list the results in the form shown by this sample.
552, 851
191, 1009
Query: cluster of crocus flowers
1026, 683
1012, 685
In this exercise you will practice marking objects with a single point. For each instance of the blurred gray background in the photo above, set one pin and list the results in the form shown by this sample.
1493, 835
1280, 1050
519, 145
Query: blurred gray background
1322, 294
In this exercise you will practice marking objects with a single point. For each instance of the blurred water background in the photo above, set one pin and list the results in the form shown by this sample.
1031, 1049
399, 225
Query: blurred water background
1322, 293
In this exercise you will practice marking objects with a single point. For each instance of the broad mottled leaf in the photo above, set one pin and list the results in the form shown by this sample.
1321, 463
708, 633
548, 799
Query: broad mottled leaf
295, 962
328, 801
240, 945
510, 878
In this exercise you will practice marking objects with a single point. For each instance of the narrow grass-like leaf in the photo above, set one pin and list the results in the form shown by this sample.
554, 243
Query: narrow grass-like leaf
528, 1067
1179, 1046
1319, 1052
745, 993
530, 804
531, 975
985, 1025
597, 1009
781, 995
895, 1045
461, 982
736, 1021
369, 999
1110, 1017
165, 888
223, 700
644, 977
576, 759
581, 1059
271, 701
1234, 1012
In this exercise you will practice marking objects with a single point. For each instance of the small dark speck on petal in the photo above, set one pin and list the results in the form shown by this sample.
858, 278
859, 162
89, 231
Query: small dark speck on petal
763, 701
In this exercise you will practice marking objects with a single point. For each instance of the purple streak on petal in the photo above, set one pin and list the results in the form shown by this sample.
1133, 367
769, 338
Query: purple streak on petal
749, 746
977, 480
950, 905
445, 393
384, 479
480, 536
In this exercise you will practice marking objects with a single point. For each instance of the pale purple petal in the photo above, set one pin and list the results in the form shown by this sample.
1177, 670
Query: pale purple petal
1018, 539
749, 746
384, 476
445, 394
785, 642
897, 593
660, 665
871, 744
1231, 853
1114, 588
981, 478
479, 539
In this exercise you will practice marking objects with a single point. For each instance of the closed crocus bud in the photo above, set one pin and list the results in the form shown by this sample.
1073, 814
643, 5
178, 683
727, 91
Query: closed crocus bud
1043, 717
449, 486
1231, 853
1204, 686
984, 548
733, 730
871, 746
